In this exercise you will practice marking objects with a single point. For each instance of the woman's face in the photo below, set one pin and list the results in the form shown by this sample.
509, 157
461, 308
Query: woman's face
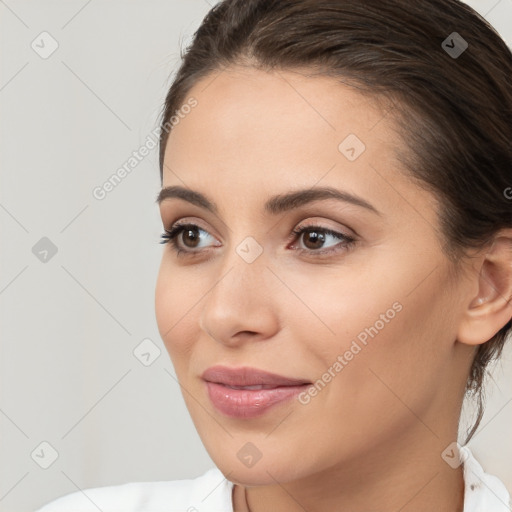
370, 324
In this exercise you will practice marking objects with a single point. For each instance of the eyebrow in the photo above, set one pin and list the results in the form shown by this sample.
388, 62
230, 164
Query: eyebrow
276, 204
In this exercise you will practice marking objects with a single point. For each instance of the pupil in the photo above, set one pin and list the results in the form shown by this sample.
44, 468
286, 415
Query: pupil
191, 235
316, 239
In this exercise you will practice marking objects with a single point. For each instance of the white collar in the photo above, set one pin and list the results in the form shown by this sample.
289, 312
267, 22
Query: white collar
482, 492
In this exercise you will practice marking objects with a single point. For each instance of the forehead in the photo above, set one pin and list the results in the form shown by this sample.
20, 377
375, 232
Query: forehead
245, 113
236, 94
253, 134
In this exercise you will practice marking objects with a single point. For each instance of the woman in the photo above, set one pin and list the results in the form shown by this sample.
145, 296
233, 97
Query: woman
338, 271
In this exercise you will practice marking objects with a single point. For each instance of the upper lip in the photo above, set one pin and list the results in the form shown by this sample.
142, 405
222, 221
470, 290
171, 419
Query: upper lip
246, 376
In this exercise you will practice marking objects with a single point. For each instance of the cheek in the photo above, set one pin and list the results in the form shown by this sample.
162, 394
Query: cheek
370, 367
350, 302
387, 319
177, 302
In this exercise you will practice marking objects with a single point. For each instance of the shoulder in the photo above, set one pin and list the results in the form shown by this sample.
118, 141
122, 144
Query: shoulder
208, 492
483, 492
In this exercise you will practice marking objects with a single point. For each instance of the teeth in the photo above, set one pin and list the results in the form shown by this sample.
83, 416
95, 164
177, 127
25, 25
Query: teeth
260, 386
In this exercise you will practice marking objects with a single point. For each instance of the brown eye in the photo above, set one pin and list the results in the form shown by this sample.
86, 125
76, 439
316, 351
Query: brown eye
190, 237
186, 238
313, 239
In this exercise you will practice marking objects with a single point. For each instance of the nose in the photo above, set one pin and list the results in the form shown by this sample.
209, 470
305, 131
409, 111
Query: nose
242, 305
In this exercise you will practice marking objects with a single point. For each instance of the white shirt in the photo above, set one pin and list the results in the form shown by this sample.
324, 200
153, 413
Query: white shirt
211, 492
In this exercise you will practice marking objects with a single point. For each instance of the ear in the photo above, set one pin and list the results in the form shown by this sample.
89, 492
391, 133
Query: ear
489, 310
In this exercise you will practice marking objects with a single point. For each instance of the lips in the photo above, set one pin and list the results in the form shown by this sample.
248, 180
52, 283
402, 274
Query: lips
248, 392
246, 377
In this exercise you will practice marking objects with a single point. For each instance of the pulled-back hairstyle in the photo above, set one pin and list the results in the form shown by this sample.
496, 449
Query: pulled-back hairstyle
454, 111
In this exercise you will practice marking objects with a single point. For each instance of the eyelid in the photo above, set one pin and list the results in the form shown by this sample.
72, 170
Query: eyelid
179, 227
186, 221
312, 223
345, 241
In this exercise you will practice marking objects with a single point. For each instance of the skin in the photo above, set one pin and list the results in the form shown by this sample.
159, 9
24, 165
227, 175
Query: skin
375, 433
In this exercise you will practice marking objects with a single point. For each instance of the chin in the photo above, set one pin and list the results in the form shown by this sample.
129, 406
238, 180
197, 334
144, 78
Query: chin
252, 477
267, 472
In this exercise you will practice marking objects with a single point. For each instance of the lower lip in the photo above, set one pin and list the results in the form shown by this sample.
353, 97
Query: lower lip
249, 403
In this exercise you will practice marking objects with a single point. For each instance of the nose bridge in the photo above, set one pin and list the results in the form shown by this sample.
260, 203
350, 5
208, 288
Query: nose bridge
242, 276
245, 260
239, 299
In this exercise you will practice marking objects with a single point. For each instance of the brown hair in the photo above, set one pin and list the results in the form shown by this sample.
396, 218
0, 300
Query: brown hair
455, 111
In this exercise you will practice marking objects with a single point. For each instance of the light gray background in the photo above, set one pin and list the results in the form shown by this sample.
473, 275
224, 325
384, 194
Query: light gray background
69, 326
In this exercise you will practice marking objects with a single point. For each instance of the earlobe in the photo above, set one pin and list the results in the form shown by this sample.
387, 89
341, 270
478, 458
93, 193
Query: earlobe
491, 308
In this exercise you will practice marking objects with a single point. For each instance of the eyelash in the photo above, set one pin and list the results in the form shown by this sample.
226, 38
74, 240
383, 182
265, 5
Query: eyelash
170, 236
